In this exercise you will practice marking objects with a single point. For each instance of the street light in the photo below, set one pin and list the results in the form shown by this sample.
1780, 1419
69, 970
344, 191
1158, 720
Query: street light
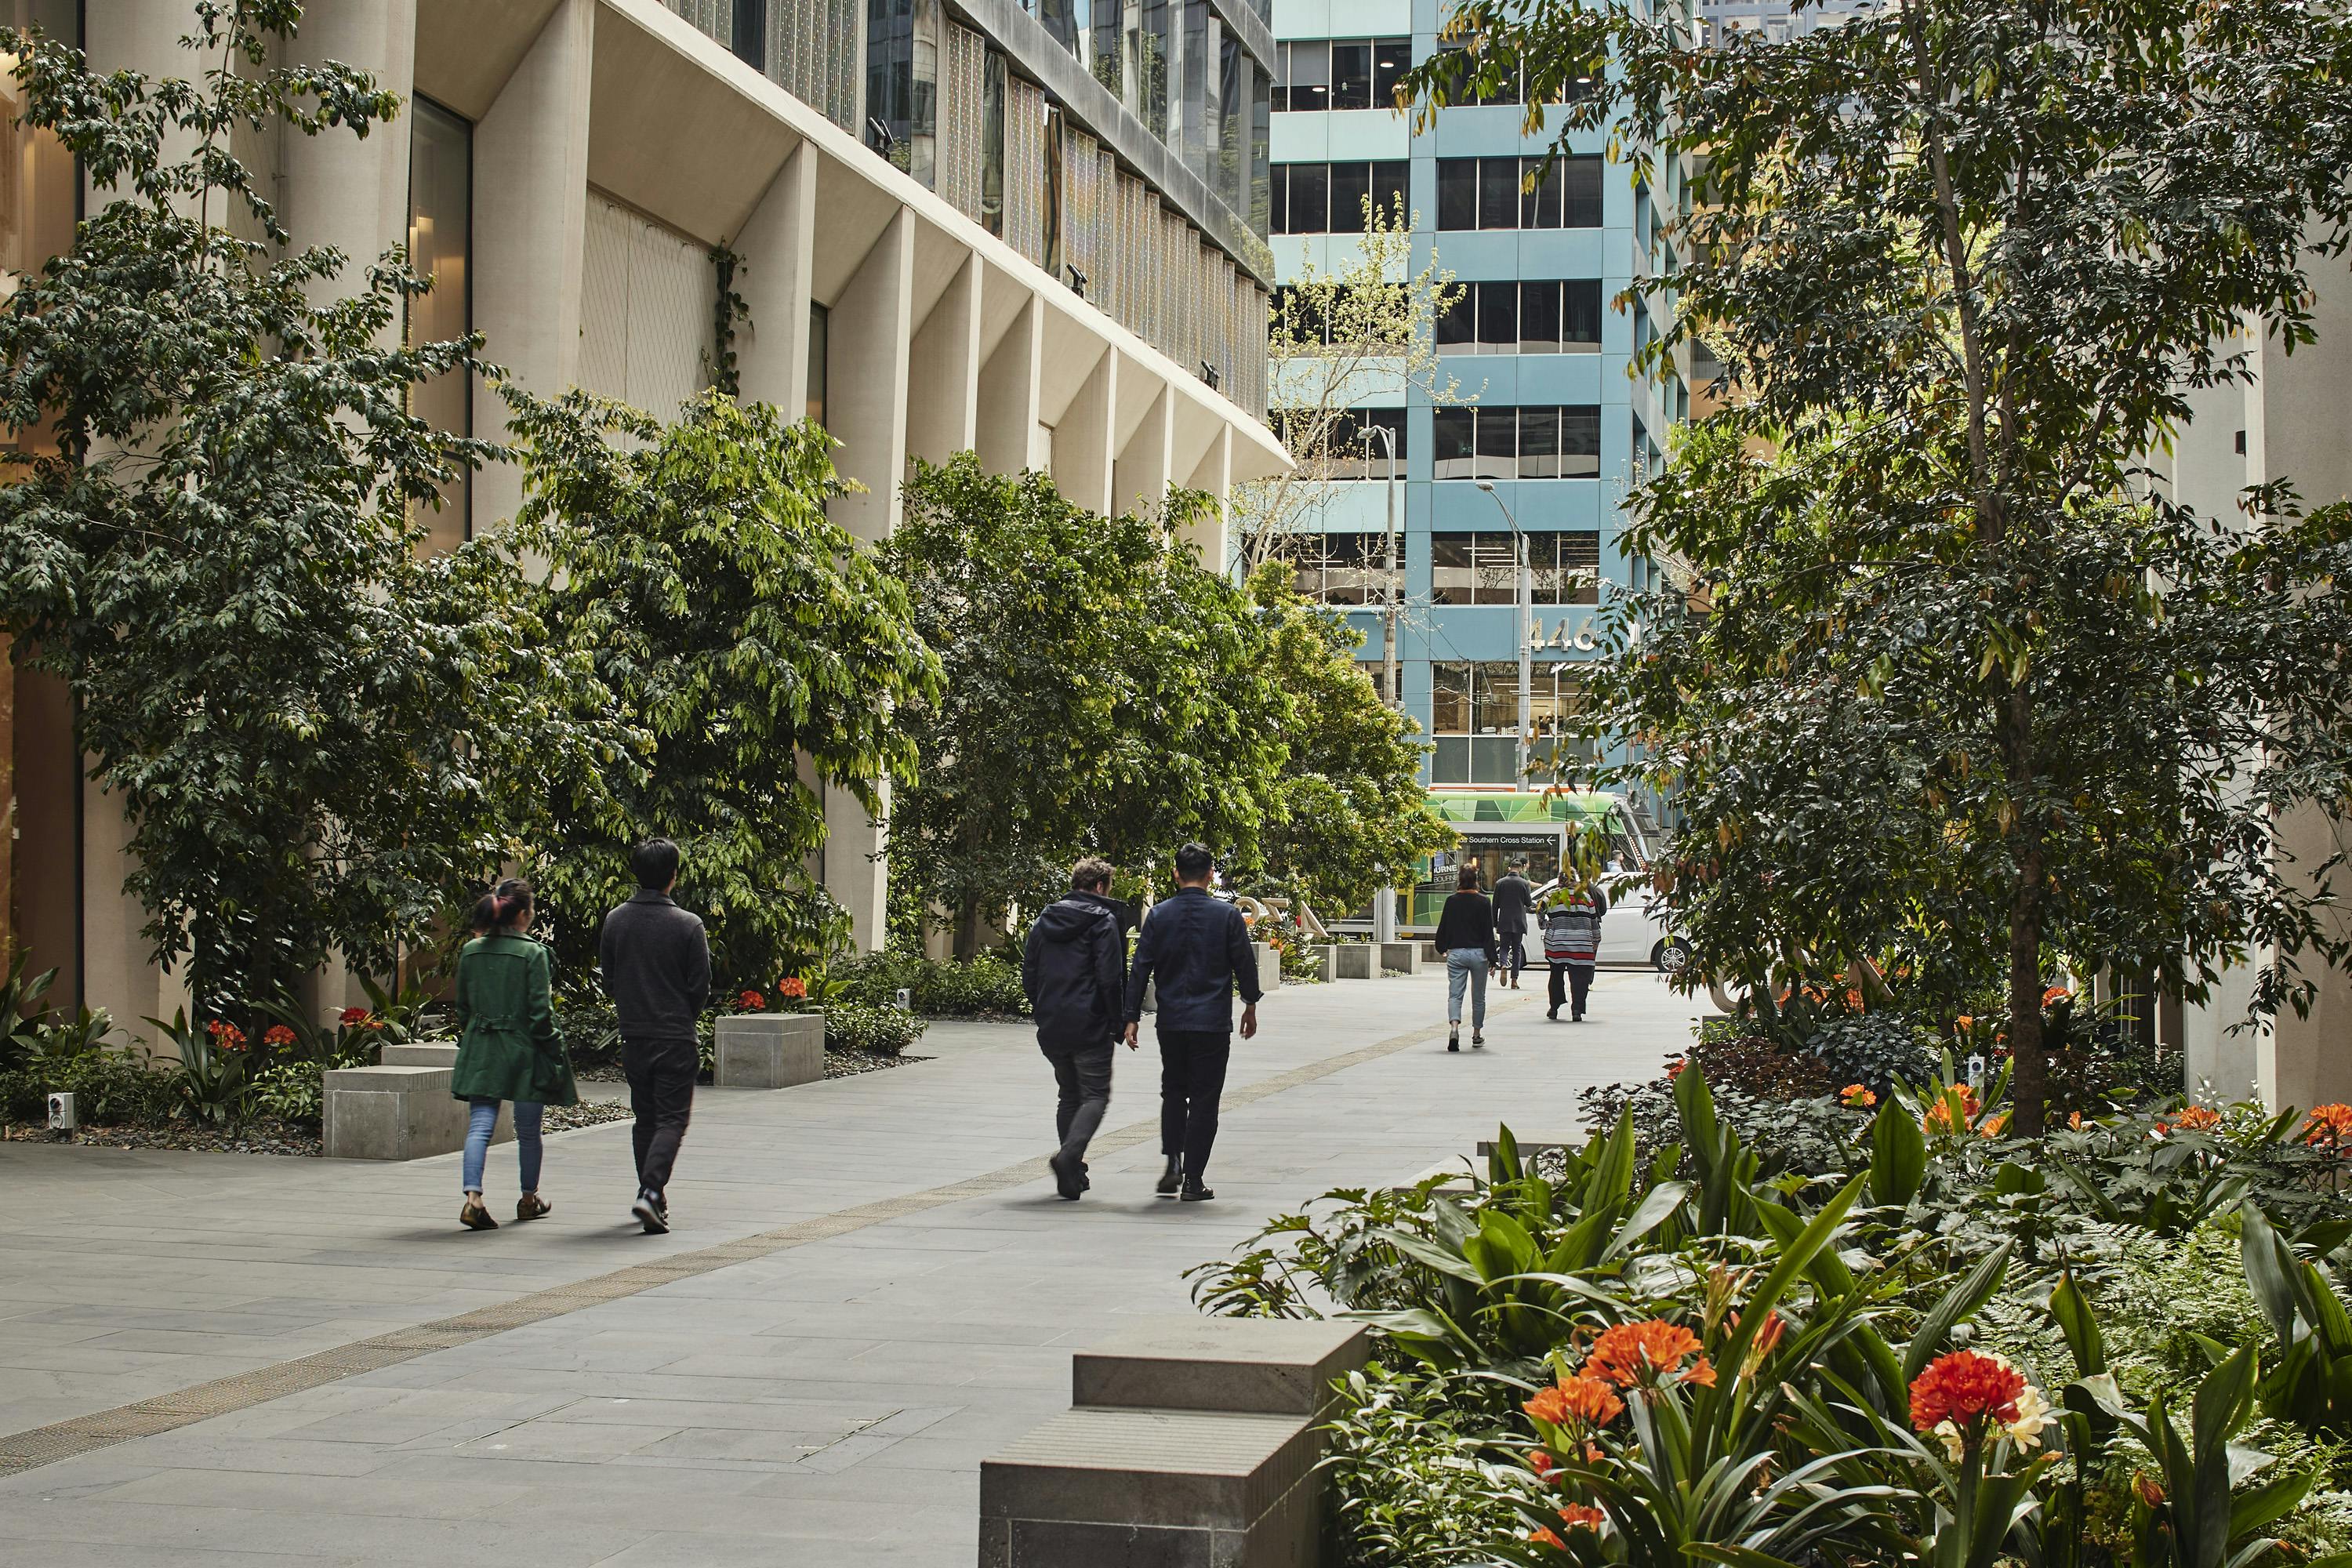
1385, 903
1525, 597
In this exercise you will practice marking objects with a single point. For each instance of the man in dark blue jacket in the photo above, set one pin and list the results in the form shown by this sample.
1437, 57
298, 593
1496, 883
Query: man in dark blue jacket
1198, 948
1074, 968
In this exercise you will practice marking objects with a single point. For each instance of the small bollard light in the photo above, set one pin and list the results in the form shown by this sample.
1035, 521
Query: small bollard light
61, 1113
906, 999
1976, 1068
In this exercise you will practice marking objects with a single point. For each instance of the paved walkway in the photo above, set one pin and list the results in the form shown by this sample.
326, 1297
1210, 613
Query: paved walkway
872, 1288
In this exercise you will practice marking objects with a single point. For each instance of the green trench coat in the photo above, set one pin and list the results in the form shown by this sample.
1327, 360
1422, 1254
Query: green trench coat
507, 1045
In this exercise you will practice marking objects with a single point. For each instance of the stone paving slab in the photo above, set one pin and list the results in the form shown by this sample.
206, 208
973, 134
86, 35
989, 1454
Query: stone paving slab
828, 1404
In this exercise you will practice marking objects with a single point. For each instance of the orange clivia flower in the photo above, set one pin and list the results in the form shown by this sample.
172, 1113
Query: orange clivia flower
2145, 1487
1961, 1387
1939, 1114
1964, 1024
1585, 1400
1633, 1354
1539, 1536
751, 1001
2328, 1124
793, 988
2056, 995
2197, 1118
1540, 1461
278, 1035
1582, 1516
1995, 1126
2074, 1120
1675, 1068
356, 1017
1857, 1097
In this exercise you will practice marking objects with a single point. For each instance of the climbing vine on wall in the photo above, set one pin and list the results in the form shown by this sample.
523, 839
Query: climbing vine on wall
728, 312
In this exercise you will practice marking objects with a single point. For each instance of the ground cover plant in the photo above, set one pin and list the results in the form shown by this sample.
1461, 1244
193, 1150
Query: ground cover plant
1911, 1337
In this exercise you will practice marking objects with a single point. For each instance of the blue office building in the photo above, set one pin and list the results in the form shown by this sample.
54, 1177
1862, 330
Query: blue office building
1547, 411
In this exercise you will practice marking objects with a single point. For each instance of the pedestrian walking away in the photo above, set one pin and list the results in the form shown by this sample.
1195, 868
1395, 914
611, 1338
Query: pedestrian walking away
1572, 936
1514, 898
1465, 935
1198, 948
657, 966
508, 1046
1074, 968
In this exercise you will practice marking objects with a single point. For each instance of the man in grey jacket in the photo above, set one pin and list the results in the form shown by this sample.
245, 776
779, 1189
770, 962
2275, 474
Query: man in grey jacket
656, 965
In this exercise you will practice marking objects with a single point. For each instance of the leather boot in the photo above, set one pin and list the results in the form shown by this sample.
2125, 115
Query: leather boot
1173, 1177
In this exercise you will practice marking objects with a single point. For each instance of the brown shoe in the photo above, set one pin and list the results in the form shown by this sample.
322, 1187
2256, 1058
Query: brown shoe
474, 1217
532, 1206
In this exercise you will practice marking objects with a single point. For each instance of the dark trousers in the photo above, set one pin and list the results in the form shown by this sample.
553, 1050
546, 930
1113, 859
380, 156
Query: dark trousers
1083, 1075
1514, 953
661, 1092
1191, 1077
1577, 978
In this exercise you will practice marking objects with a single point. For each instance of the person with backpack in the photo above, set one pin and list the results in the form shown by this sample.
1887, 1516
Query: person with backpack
1074, 969
1572, 936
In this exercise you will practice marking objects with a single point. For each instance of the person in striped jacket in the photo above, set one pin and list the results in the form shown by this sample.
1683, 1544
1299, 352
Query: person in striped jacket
1571, 938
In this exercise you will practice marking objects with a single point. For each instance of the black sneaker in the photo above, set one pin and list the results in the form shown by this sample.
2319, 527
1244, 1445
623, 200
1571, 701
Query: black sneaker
1198, 1194
1476, 1040
1172, 1178
1068, 1183
651, 1212
474, 1217
1454, 1041
1553, 1014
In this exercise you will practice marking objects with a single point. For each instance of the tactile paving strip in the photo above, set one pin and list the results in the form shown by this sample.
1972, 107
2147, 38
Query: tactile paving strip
81, 1433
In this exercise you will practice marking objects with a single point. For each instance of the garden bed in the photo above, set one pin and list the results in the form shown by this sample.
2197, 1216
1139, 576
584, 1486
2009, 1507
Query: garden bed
297, 1139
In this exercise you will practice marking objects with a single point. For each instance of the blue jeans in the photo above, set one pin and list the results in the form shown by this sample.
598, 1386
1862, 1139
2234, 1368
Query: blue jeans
1467, 966
477, 1141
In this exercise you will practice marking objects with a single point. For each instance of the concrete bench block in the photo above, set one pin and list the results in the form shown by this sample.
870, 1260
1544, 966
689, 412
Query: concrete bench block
1154, 1489
417, 1054
1269, 965
1533, 1144
398, 1112
1250, 1365
1327, 962
768, 1050
1402, 956
1355, 961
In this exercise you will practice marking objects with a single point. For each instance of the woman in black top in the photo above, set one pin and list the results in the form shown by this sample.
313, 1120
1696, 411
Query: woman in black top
1465, 935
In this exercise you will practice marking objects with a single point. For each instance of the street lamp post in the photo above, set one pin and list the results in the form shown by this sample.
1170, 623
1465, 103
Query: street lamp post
1384, 902
1526, 599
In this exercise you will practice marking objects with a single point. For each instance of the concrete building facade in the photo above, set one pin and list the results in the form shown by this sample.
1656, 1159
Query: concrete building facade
1546, 409
1065, 283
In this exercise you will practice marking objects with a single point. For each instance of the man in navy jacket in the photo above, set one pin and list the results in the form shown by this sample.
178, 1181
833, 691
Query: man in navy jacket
1198, 948
1074, 968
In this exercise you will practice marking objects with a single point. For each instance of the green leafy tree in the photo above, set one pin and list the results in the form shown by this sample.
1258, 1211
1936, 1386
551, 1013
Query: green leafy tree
317, 736
763, 651
1104, 694
1349, 810
1961, 672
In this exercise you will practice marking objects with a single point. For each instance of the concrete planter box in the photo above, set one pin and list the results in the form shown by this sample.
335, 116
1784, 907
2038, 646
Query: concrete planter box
1402, 956
1193, 1443
768, 1050
1327, 962
417, 1054
398, 1112
1269, 965
1355, 961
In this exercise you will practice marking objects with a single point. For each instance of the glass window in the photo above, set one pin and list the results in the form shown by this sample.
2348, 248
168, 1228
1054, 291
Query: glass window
1391, 58
1579, 330
751, 40
991, 144
1538, 318
1498, 318
1458, 193
1233, 161
1376, 448
1499, 192
1539, 443
1193, 109
1579, 566
1351, 184
1499, 444
1064, 19
1278, 189
1457, 325
1452, 580
1351, 73
1580, 198
1392, 189
1261, 122
1449, 695
1108, 29
1307, 75
902, 78
440, 248
1540, 208
819, 326
1494, 697
1579, 442
1310, 198
1449, 435
1155, 51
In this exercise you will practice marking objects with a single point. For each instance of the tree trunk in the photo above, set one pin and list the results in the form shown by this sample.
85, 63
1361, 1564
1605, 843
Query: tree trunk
966, 932
2028, 1086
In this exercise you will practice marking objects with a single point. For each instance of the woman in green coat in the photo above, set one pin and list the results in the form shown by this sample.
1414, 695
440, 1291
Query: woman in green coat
507, 1045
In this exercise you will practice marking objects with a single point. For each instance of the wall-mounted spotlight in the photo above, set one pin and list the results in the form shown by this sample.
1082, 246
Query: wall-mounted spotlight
1209, 375
1077, 281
